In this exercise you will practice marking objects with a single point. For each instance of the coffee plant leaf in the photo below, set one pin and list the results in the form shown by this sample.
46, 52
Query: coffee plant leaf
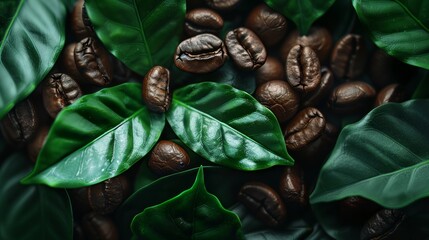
227, 126
193, 214
29, 46
399, 27
96, 138
140, 33
31, 211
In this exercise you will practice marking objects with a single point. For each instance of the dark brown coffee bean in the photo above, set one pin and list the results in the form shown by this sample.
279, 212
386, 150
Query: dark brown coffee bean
264, 202
318, 38
68, 64
200, 54
351, 97
59, 91
326, 85
303, 70
36, 143
245, 48
292, 188
279, 97
93, 62
156, 89
101, 198
382, 69
382, 225
99, 227
271, 70
202, 20
268, 24
224, 5
304, 128
348, 57
168, 157
391, 93
80, 30
357, 209
21, 123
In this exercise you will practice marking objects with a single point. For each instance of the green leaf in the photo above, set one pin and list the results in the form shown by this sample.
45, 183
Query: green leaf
98, 137
140, 33
302, 12
32, 35
339, 19
399, 27
31, 212
193, 214
227, 126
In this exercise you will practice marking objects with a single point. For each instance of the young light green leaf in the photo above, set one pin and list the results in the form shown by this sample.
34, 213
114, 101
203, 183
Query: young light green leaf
31, 212
227, 126
98, 137
140, 33
32, 35
193, 214
399, 27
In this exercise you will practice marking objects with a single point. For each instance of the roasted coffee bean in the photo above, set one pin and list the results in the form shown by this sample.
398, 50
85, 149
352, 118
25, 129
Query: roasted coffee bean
348, 57
292, 188
264, 202
36, 143
303, 70
99, 227
59, 91
381, 69
304, 128
279, 97
101, 198
245, 48
326, 85
391, 93
68, 64
318, 38
351, 97
268, 24
202, 20
80, 30
156, 89
21, 123
200, 54
224, 5
271, 70
357, 209
168, 157
382, 225
93, 62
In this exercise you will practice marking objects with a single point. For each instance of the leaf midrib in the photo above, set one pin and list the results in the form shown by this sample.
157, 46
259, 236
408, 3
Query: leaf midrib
142, 31
412, 15
7, 32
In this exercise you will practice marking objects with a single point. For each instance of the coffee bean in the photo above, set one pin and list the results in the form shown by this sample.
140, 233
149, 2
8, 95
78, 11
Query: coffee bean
326, 85
318, 38
357, 210
382, 225
59, 91
200, 54
80, 30
303, 70
391, 93
36, 143
271, 70
279, 97
292, 188
348, 57
264, 202
304, 128
268, 24
245, 48
156, 89
68, 64
168, 157
351, 97
92, 61
224, 5
202, 20
21, 123
99, 227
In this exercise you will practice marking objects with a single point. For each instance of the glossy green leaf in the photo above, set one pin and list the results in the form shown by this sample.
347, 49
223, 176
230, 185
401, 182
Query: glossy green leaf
32, 35
227, 126
302, 12
140, 33
399, 27
98, 137
193, 214
31, 212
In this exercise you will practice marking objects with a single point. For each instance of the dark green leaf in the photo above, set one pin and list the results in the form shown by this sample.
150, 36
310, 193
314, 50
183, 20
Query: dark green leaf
302, 12
32, 34
422, 89
140, 33
399, 27
193, 214
227, 126
31, 212
98, 137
